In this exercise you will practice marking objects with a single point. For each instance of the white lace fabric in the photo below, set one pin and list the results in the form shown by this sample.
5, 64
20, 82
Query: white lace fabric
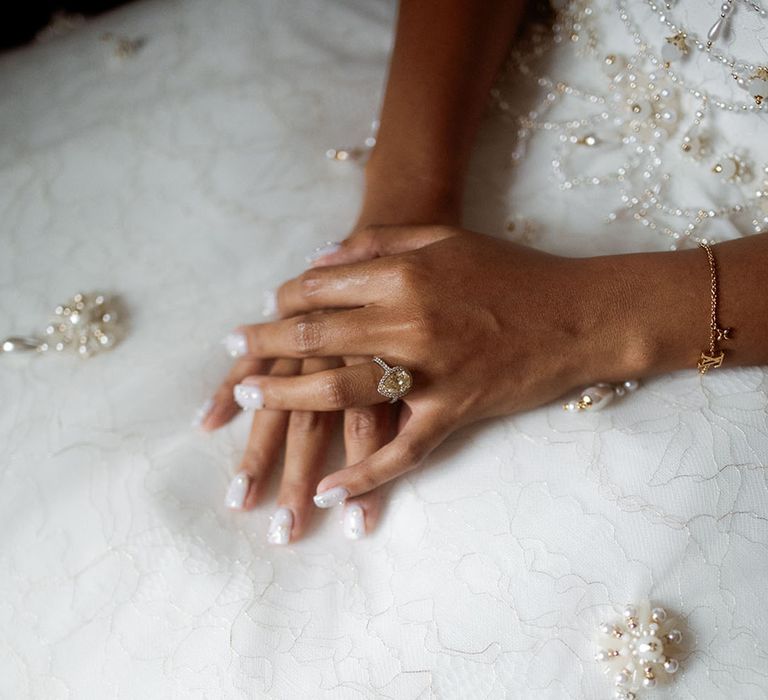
188, 178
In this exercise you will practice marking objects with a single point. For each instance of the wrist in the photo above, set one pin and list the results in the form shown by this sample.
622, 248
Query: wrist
398, 192
648, 314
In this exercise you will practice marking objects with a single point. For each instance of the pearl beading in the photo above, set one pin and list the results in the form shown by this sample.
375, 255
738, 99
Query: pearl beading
740, 70
636, 649
653, 94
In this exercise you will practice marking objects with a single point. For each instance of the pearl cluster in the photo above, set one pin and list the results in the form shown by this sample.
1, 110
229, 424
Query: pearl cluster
642, 109
86, 324
636, 649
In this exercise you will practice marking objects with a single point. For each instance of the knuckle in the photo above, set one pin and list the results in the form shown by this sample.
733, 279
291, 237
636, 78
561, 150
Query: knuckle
295, 490
361, 424
336, 392
410, 454
365, 480
424, 326
303, 421
365, 238
308, 335
309, 282
408, 273
256, 460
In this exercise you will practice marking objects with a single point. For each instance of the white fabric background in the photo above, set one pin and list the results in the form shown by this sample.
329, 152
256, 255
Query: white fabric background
189, 178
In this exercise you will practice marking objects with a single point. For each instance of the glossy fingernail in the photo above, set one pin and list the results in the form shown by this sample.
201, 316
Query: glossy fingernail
323, 250
238, 487
332, 497
280, 524
249, 396
354, 521
235, 344
202, 413
269, 305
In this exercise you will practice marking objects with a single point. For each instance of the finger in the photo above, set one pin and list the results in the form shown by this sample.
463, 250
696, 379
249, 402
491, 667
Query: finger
221, 407
329, 390
361, 515
262, 449
342, 286
359, 332
366, 430
377, 241
421, 434
306, 445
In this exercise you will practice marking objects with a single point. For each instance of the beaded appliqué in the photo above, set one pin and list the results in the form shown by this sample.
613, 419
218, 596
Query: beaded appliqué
642, 110
637, 650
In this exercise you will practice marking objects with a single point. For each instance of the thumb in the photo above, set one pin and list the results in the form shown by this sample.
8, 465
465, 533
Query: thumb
379, 241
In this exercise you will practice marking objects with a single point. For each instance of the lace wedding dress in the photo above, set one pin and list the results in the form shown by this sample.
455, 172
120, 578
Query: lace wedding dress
186, 173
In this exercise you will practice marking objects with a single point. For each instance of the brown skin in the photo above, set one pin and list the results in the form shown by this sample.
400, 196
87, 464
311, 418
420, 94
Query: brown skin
626, 316
490, 328
446, 56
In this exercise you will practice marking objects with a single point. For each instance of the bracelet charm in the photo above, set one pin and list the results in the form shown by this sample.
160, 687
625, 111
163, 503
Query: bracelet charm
713, 357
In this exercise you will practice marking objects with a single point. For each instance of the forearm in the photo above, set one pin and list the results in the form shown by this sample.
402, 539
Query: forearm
660, 306
445, 58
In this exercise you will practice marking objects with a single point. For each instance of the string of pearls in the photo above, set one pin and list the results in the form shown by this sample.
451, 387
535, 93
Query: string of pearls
749, 76
641, 110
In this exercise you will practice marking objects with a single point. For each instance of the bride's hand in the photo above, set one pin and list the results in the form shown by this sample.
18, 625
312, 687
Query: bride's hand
485, 326
305, 435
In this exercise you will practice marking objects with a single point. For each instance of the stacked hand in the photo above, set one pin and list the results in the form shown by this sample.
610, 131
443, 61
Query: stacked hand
486, 328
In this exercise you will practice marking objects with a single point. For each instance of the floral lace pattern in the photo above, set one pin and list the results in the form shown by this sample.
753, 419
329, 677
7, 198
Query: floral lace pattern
123, 574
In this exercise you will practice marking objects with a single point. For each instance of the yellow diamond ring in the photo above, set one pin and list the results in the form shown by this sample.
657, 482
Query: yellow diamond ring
396, 382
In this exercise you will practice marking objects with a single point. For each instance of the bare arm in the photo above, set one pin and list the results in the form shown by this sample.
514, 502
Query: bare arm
446, 56
659, 304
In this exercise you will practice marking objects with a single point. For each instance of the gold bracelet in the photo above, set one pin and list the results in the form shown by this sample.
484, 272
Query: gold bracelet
715, 356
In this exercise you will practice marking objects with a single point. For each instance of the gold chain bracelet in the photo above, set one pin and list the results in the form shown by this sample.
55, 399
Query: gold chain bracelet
714, 358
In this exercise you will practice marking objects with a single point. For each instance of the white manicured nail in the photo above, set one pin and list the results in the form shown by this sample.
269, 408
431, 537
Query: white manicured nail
332, 497
238, 487
354, 521
249, 396
269, 305
235, 344
280, 524
323, 250
202, 413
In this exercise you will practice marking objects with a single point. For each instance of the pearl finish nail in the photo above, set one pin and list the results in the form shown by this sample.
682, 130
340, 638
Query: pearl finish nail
235, 344
354, 521
249, 396
332, 497
323, 250
202, 413
237, 490
280, 524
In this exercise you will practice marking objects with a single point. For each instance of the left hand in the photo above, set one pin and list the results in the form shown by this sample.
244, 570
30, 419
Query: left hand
303, 436
485, 326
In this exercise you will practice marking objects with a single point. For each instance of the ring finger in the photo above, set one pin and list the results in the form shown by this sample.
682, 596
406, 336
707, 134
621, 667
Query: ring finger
329, 390
366, 430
